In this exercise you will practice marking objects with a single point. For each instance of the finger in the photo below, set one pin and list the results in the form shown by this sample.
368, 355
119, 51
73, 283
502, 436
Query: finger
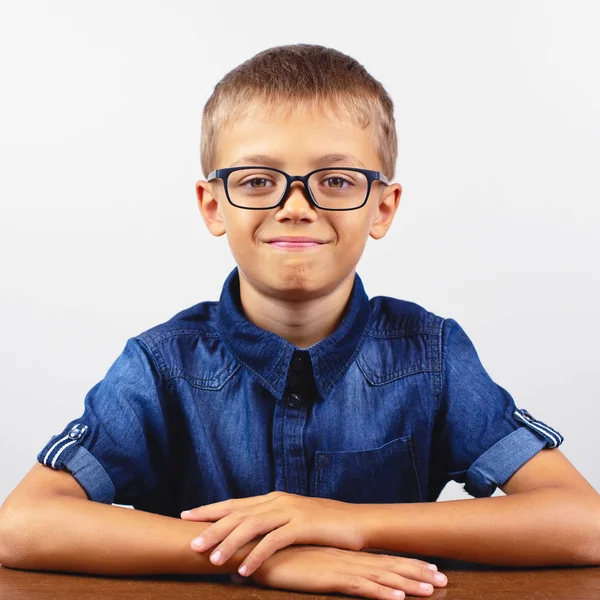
415, 561
246, 531
216, 532
206, 513
276, 540
383, 583
218, 510
223, 526
409, 568
420, 563
356, 585
412, 571
199, 513
422, 575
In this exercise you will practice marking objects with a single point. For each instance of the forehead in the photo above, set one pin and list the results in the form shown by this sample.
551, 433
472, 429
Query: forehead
303, 139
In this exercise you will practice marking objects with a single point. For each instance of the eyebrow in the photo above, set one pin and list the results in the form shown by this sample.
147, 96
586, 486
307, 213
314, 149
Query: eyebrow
321, 161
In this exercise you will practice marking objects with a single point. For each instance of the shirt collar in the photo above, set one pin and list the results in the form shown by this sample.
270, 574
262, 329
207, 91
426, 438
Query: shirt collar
268, 355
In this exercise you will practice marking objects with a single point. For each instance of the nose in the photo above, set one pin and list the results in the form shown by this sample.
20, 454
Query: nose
297, 202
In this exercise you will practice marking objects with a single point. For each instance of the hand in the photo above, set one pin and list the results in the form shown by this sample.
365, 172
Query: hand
291, 519
324, 570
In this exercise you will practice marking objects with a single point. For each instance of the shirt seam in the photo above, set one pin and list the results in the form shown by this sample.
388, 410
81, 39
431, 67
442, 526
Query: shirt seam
156, 339
398, 333
438, 393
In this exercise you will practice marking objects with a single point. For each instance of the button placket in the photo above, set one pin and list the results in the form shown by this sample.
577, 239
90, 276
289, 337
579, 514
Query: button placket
296, 399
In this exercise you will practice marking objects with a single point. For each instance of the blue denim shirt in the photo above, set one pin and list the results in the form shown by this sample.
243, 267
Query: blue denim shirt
207, 406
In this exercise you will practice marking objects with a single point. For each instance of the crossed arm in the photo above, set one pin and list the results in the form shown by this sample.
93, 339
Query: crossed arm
551, 516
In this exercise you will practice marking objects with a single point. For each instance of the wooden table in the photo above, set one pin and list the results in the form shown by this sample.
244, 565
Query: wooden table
466, 581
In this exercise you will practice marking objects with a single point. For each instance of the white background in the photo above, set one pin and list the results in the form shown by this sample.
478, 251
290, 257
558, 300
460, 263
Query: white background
496, 107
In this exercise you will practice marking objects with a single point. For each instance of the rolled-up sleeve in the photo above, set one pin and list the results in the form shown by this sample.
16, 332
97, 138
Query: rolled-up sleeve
482, 437
116, 448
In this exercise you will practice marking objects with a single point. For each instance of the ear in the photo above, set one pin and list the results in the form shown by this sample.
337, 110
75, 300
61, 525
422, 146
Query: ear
210, 208
386, 209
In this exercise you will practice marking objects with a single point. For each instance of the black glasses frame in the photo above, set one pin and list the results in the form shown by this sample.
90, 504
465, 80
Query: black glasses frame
369, 174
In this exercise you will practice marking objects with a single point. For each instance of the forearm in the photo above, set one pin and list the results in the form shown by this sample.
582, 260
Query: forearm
552, 526
64, 533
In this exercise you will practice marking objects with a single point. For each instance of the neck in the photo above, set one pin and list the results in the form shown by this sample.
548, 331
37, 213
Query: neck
300, 322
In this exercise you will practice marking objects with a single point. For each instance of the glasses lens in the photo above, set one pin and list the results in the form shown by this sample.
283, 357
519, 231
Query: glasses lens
261, 187
256, 187
338, 188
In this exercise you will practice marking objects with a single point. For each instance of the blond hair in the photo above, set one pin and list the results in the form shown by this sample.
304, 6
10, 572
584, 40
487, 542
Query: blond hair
284, 78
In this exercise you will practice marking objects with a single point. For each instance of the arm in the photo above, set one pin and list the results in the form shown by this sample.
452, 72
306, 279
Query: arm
551, 516
48, 523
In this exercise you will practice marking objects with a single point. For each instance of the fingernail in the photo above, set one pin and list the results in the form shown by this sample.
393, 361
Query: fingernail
426, 587
243, 570
440, 577
215, 557
185, 512
399, 593
198, 542
432, 567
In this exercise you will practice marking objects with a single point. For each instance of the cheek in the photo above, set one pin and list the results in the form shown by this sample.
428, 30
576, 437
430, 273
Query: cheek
244, 235
353, 232
242, 227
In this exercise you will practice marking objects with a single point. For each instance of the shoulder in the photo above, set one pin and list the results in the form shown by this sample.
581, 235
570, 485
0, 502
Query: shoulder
402, 338
188, 346
395, 317
198, 320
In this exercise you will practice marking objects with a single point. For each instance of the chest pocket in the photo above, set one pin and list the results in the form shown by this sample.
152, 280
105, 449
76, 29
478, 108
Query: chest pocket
387, 474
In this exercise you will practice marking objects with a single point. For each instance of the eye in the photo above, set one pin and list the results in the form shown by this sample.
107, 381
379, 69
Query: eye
339, 181
253, 179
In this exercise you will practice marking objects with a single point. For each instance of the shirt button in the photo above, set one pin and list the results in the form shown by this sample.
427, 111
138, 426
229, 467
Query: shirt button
77, 431
297, 363
294, 400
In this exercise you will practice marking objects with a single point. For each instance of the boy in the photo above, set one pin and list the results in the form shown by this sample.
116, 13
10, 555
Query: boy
320, 422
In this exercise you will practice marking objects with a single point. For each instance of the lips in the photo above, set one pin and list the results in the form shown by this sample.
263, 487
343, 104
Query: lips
291, 242
296, 240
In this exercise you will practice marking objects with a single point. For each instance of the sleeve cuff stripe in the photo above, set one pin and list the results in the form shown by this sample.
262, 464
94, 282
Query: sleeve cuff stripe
61, 450
553, 436
52, 448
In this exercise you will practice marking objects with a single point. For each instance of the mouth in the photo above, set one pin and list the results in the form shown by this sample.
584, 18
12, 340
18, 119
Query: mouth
295, 243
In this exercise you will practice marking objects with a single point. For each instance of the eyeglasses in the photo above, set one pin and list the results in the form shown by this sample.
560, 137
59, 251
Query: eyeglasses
350, 189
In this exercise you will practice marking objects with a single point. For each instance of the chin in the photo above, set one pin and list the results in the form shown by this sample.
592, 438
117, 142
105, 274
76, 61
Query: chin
292, 280
300, 282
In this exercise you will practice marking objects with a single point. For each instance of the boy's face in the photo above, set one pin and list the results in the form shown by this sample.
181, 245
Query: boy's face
297, 142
